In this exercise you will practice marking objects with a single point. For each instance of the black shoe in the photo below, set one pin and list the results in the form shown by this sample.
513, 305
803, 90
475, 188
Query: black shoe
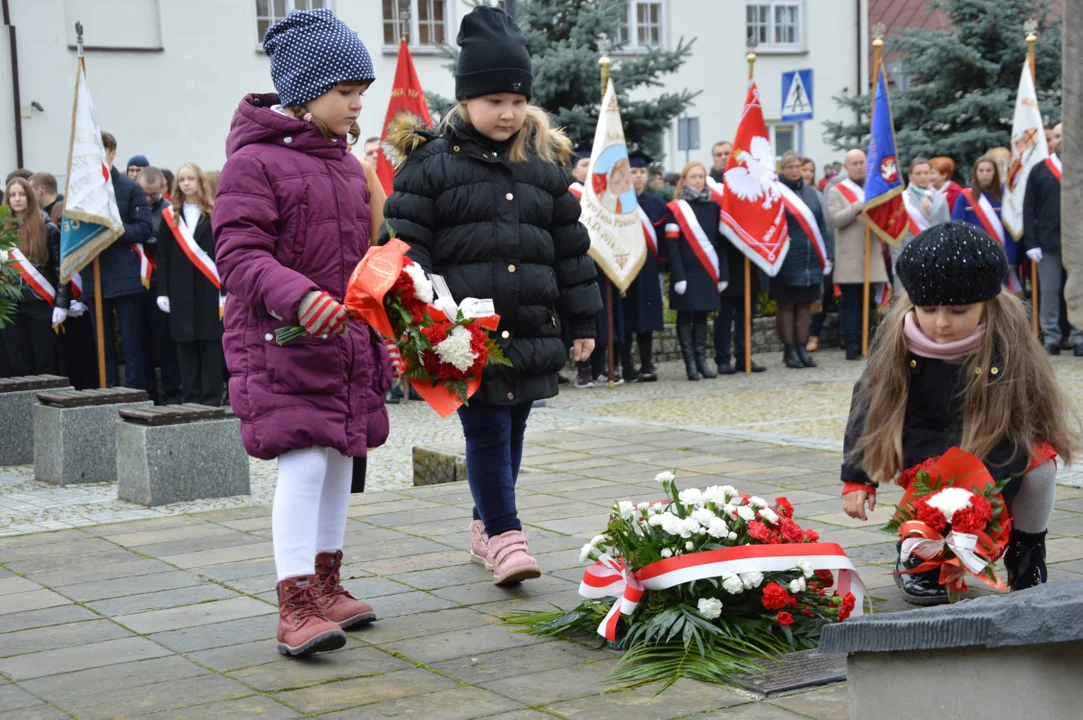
393, 396
739, 365
1052, 348
1077, 350
647, 374
603, 380
726, 369
414, 395
791, 359
1025, 559
919, 588
806, 359
853, 354
563, 379
699, 340
631, 375
538, 404
584, 380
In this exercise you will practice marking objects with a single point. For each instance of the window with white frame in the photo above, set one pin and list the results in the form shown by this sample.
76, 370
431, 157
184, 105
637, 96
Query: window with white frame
268, 12
425, 22
775, 24
783, 138
644, 26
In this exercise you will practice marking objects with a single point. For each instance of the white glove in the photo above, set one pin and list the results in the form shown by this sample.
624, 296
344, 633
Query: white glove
722, 285
163, 304
680, 287
828, 269
59, 316
76, 309
1035, 254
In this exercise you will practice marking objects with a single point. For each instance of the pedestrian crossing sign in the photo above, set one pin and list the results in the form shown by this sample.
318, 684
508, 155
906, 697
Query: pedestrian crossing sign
797, 95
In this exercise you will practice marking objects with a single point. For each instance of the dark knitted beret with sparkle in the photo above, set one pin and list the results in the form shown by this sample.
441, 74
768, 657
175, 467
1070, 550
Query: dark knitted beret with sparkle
952, 264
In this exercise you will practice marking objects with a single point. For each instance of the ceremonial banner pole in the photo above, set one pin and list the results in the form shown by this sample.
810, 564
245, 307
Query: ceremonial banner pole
603, 62
877, 44
1032, 38
751, 57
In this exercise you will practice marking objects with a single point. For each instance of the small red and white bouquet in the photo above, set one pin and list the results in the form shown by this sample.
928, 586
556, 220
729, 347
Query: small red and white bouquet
442, 348
953, 517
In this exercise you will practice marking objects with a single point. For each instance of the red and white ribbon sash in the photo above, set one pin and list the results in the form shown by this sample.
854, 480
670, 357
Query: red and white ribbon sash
576, 188
1053, 163
649, 233
801, 213
147, 264
33, 277
918, 222
852, 191
77, 286
187, 241
611, 578
696, 237
990, 221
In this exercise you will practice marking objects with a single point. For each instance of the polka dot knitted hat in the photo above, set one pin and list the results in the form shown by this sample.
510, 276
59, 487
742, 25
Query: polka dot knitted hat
311, 51
952, 264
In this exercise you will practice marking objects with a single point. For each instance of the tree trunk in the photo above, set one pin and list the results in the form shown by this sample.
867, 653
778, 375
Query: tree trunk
1072, 148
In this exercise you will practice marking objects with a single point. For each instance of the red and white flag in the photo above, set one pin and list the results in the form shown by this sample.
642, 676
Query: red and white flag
753, 215
406, 96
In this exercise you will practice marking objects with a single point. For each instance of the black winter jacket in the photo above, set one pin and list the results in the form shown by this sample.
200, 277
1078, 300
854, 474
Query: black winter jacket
119, 263
933, 423
193, 300
502, 231
702, 292
50, 270
801, 267
1041, 210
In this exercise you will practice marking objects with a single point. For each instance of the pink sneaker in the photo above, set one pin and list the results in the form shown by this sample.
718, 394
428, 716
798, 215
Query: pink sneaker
479, 544
511, 558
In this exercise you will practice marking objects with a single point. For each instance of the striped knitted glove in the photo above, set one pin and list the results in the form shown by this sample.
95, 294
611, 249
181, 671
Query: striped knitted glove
320, 315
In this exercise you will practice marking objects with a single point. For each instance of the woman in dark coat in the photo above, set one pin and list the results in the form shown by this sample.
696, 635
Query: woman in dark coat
799, 282
697, 262
185, 291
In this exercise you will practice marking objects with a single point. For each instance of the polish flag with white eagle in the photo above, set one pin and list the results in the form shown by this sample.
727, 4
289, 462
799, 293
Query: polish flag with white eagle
753, 215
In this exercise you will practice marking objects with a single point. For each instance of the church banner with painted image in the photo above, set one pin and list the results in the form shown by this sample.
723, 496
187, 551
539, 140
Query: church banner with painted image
609, 201
1028, 149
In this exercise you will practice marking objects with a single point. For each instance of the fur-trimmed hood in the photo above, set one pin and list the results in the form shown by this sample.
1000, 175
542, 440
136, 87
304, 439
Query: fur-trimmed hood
407, 132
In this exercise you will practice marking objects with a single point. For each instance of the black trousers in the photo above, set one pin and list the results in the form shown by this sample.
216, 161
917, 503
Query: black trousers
201, 371
79, 352
159, 345
30, 341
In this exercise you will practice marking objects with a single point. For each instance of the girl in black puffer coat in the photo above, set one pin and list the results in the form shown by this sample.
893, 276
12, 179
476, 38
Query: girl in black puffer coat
482, 202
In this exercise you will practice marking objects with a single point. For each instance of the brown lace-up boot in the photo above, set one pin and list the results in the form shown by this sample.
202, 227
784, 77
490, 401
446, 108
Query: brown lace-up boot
302, 629
338, 605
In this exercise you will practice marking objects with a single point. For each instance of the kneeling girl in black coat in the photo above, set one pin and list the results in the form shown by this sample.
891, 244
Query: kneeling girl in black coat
482, 201
697, 261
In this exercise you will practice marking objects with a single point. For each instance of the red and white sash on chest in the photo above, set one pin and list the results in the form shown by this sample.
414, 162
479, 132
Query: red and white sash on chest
187, 242
649, 233
576, 188
695, 236
1053, 163
32, 277
918, 222
989, 220
147, 264
801, 213
76, 286
718, 190
852, 191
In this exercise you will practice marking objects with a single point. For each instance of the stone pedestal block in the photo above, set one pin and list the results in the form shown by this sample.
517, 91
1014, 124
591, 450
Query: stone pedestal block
75, 445
17, 398
176, 463
436, 465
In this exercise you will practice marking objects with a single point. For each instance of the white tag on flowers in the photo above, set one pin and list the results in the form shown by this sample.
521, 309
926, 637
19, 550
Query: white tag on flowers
445, 301
473, 308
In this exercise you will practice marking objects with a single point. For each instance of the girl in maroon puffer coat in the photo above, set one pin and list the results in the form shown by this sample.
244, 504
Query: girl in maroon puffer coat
292, 220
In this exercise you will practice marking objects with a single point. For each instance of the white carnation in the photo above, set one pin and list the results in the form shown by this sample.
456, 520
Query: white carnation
585, 553
718, 528
671, 524
422, 285
642, 507
666, 476
797, 586
666, 552
709, 608
455, 349
769, 515
730, 510
951, 500
689, 546
806, 569
655, 520
729, 491
691, 496
732, 536
746, 513
704, 516
713, 494
752, 579
758, 502
626, 509
733, 585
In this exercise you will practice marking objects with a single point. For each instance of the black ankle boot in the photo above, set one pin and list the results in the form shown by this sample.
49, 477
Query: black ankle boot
688, 352
699, 339
1025, 559
791, 358
803, 355
919, 588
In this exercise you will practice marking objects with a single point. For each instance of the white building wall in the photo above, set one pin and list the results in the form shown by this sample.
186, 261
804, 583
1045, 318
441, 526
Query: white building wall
174, 105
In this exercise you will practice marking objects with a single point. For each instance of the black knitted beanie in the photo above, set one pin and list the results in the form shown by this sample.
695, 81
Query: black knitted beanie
952, 264
493, 58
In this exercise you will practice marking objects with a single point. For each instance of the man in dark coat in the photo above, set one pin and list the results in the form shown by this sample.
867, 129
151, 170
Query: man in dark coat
122, 284
720, 158
156, 333
642, 305
1041, 239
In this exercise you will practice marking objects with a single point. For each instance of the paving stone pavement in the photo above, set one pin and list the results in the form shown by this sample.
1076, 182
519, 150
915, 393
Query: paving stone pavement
174, 616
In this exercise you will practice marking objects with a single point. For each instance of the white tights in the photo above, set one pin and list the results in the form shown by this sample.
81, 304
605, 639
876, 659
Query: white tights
312, 498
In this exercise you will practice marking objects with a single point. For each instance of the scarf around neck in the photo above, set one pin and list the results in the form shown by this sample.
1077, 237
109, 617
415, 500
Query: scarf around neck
924, 346
687, 193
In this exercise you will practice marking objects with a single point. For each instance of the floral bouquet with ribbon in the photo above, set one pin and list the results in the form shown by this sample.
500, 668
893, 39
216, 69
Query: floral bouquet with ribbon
707, 584
953, 517
442, 347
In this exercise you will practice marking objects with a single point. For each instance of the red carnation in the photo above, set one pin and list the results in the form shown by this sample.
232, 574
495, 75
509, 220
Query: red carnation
784, 507
793, 601
758, 531
806, 611
775, 596
848, 604
791, 530
908, 475
824, 574
812, 536
932, 517
784, 618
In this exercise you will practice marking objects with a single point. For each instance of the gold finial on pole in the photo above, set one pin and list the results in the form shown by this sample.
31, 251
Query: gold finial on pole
1030, 27
751, 58
604, 61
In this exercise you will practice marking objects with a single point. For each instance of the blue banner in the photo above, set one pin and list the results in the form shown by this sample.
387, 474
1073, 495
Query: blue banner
883, 182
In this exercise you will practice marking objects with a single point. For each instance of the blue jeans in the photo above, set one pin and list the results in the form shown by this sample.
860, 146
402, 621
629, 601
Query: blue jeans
729, 325
494, 452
